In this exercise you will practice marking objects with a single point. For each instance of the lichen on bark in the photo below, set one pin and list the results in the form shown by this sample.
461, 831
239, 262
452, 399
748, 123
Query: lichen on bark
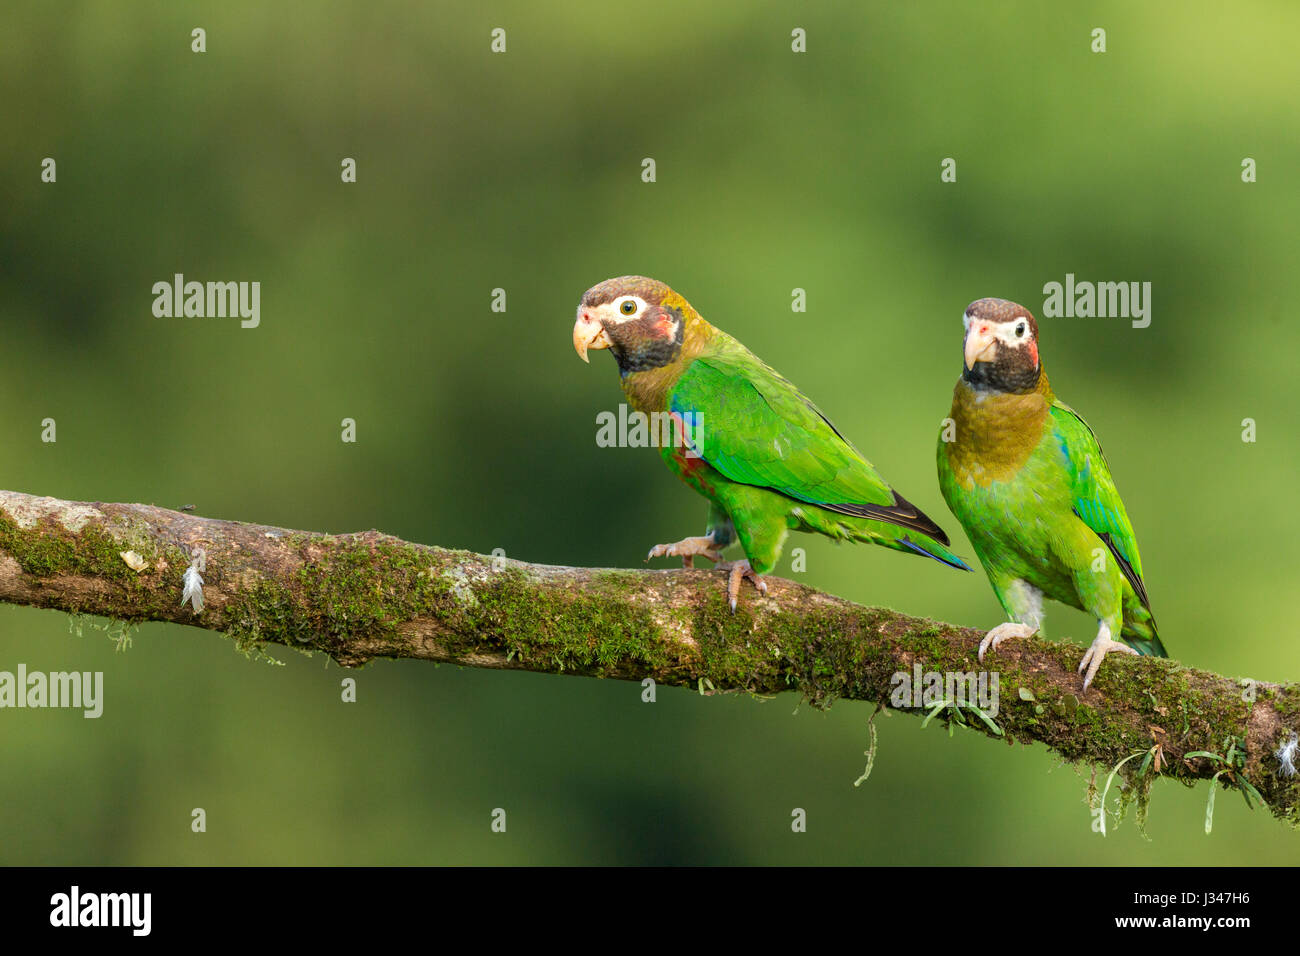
367, 595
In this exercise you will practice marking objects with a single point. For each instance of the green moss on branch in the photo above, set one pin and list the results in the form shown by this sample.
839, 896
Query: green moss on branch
357, 597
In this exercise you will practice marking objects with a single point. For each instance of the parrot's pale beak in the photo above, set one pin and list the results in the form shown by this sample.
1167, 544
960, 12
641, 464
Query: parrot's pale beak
979, 344
588, 334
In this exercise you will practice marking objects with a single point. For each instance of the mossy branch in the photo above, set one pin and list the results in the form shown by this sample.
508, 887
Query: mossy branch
367, 595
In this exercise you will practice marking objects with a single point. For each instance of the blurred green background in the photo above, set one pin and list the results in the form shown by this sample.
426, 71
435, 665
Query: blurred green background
477, 430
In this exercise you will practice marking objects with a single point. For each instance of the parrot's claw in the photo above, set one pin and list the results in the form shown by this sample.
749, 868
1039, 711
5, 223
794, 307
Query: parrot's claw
1004, 632
1096, 652
687, 549
737, 572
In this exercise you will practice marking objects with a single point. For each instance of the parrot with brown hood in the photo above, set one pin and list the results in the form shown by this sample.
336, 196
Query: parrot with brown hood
1025, 476
744, 437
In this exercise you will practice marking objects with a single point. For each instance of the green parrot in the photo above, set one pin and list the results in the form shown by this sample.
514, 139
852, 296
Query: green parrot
1024, 475
742, 436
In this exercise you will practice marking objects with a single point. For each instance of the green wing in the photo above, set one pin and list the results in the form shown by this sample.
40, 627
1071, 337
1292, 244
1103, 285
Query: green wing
1096, 500
755, 427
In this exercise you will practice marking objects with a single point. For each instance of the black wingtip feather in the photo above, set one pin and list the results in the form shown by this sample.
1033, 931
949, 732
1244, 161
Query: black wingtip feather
1128, 571
902, 513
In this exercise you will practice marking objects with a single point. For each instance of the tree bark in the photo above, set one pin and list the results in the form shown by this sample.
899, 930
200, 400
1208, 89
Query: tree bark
366, 595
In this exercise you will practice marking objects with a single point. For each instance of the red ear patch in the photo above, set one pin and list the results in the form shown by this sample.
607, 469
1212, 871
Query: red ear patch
664, 326
1033, 350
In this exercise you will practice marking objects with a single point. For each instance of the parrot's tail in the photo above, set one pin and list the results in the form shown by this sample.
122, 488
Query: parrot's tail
1139, 628
909, 540
933, 549
1150, 646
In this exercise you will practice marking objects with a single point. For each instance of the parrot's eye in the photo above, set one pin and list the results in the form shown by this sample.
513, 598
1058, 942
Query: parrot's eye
628, 307
1020, 330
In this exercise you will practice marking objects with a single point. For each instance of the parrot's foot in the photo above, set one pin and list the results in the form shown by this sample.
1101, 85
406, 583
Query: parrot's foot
1004, 632
687, 549
738, 571
1093, 657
